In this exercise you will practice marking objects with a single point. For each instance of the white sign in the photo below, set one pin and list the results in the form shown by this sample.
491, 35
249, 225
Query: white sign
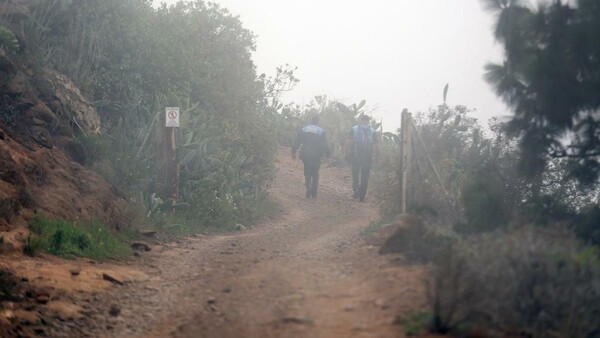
172, 117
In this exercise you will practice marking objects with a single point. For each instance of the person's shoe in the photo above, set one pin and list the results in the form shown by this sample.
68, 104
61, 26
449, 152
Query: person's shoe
308, 194
362, 198
355, 196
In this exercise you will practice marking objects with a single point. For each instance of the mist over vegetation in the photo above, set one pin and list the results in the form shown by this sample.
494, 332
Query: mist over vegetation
511, 211
508, 214
132, 60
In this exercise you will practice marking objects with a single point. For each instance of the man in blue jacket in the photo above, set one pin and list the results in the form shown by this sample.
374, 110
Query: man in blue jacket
362, 143
313, 145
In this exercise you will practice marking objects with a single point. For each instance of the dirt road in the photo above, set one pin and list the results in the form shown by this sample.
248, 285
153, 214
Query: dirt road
306, 273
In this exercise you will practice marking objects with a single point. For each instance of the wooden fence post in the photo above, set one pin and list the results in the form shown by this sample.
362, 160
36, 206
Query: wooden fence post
405, 157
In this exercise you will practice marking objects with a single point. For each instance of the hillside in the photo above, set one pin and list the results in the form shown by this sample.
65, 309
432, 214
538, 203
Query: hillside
42, 163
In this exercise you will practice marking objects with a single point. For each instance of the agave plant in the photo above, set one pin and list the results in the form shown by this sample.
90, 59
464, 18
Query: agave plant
354, 110
8, 40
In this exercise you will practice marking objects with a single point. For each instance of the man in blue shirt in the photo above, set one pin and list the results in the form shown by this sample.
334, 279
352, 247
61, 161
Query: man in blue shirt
313, 145
362, 142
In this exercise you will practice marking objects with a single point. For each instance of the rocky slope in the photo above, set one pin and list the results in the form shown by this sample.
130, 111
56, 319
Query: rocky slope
42, 163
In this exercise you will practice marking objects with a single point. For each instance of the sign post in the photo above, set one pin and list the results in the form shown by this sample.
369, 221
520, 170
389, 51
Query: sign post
172, 115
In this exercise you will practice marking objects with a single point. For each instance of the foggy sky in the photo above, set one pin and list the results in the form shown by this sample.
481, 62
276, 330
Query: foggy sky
394, 53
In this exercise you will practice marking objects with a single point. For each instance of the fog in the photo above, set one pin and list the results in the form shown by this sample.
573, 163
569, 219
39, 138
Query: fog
149, 188
394, 54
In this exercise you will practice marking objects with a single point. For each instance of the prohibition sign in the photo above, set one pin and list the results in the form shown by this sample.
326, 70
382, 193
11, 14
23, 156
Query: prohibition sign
172, 117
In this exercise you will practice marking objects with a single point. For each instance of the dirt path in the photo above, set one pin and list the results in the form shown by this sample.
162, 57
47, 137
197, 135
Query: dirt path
306, 273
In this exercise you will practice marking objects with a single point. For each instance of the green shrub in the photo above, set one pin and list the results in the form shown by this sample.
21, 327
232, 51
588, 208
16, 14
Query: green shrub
483, 199
531, 282
61, 238
33, 245
186, 222
416, 323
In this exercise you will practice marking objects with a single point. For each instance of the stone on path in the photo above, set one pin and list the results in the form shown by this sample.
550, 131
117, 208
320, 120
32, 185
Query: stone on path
114, 310
112, 279
42, 298
297, 320
140, 246
239, 227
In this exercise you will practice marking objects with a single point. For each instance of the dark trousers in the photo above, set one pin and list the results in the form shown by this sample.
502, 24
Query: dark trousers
361, 169
311, 175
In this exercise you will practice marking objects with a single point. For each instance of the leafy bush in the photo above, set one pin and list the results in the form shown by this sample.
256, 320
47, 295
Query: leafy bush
483, 198
32, 245
61, 238
416, 323
187, 222
224, 168
530, 282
